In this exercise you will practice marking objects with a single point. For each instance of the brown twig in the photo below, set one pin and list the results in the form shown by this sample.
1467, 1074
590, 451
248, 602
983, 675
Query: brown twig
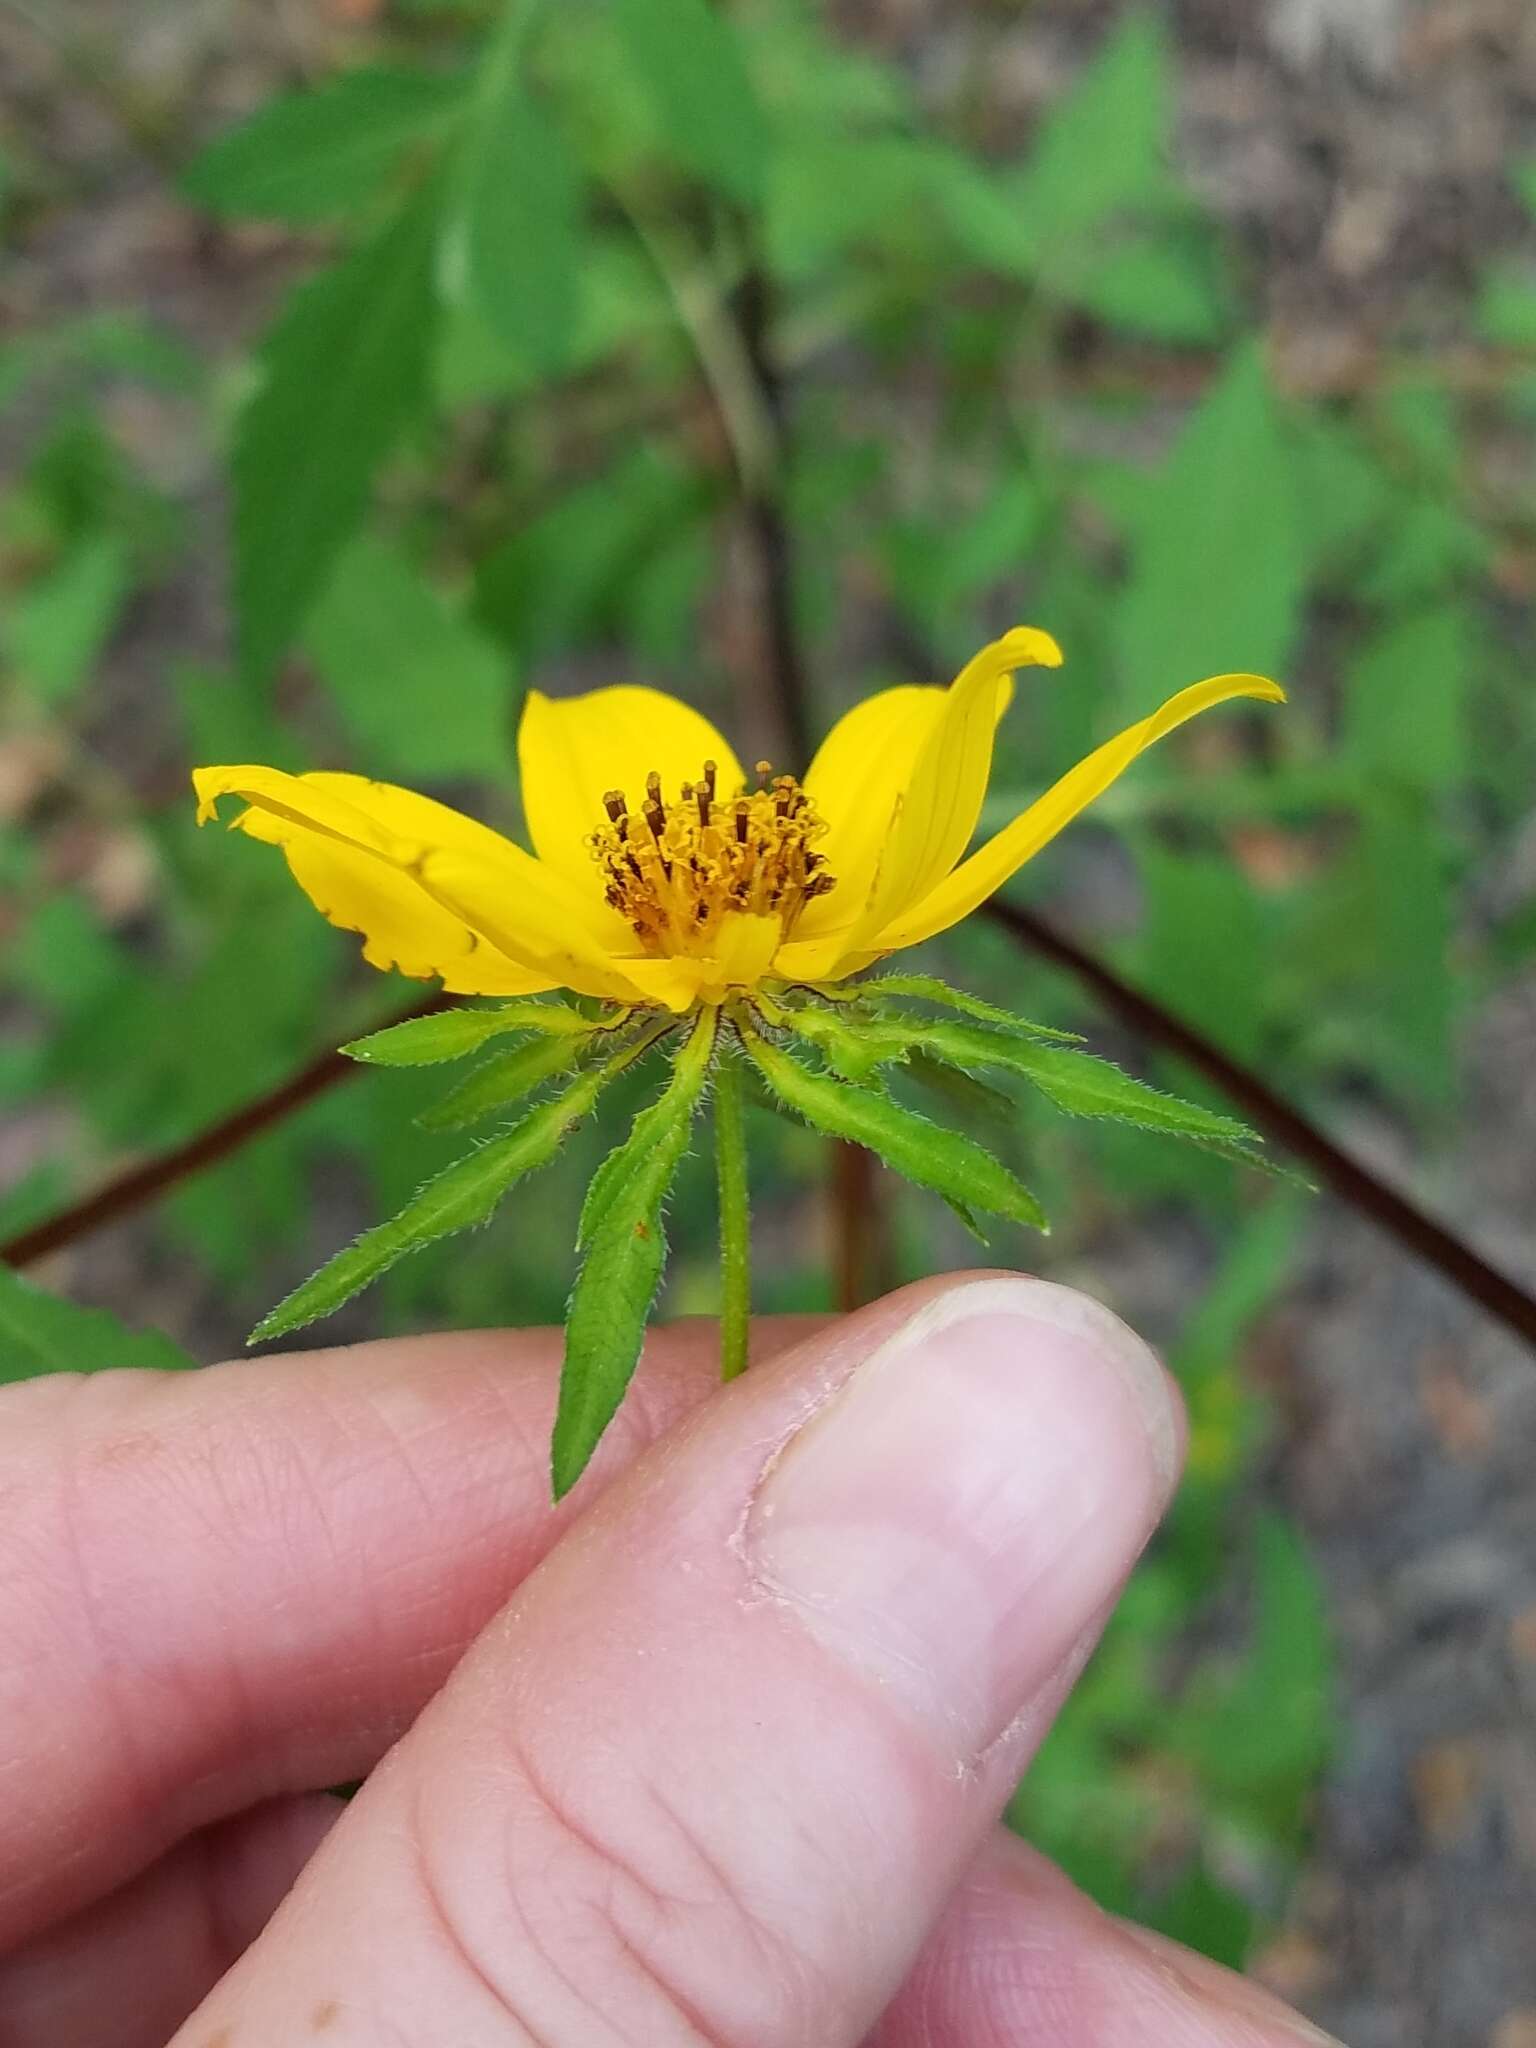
153, 1177
857, 1249
1418, 1234
857, 1234
769, 530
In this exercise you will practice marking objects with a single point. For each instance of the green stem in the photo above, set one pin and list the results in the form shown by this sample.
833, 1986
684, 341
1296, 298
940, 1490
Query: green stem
735, 1215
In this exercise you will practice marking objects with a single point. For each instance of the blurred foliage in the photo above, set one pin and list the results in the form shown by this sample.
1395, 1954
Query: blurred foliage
502, 421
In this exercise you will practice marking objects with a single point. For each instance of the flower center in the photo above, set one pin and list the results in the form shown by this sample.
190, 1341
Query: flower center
678, 869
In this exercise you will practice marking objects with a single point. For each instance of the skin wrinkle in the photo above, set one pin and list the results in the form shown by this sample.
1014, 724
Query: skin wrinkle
775, 1949
452, 1935
447, 1923
614, 1869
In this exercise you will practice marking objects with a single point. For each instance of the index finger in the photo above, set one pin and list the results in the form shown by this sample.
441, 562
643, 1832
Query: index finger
221, 1586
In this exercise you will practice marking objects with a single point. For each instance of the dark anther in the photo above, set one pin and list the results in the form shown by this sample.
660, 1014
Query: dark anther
614, 805
711, 770
741, 824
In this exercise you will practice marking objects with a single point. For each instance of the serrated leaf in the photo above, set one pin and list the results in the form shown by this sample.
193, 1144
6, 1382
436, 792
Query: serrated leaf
508, 1079
451, 1034
600, 1191
511, 248
626, 1250
689, 58
426, 694
1101, 150
342, 372
927, 988
945, 1161
308, 156
39, 1334
1085, 1085
1216, 582
461, 1196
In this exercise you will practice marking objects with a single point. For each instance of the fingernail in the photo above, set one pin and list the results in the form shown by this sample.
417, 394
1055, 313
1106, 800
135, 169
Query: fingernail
959, 1512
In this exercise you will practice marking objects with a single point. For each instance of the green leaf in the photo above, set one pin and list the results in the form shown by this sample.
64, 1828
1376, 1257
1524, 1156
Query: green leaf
626, 1251
962, 1091
511, 248
927, 988
450, 1034
852, 1045
1216, 583
423, 690
1405, 937
832, 190
926, 1153
461, 1196
557, 581
59, 625
1190, 895
41, 1334
507, 1079
343, 371
688, 56
1404, 709
1085, 1085
1168, 288
1506, 306
1432, 548
1101, 151
1264, 1730
308, 156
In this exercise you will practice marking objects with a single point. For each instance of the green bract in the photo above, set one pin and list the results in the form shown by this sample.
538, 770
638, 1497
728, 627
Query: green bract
823, 1055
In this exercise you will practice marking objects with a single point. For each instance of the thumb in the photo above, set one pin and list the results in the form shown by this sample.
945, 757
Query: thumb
713, 1773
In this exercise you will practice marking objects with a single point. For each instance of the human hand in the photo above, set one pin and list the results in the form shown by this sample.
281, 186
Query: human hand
712, 1753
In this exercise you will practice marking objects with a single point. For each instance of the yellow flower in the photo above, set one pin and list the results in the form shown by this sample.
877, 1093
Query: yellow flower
664, 875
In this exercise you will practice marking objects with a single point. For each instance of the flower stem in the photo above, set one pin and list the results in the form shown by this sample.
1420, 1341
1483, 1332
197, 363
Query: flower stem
735, 1215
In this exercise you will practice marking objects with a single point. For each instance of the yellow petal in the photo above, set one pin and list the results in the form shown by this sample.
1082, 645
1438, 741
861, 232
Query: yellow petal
402, 927
855, 782
943, 800
572, 750
823, 958
335, 828
991, 865
741, 956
